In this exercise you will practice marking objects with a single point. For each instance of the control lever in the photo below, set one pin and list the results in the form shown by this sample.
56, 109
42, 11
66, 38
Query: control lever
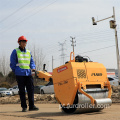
44, 67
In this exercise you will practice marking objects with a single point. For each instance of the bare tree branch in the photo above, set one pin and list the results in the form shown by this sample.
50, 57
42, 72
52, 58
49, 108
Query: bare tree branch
4, 64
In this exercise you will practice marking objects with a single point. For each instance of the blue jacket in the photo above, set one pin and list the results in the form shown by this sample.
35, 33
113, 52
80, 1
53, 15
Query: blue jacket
16, 69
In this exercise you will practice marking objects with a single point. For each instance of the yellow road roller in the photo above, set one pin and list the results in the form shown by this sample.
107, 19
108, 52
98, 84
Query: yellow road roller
80, 85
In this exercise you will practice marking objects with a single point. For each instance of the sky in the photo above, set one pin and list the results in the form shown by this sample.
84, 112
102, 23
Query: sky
49, 23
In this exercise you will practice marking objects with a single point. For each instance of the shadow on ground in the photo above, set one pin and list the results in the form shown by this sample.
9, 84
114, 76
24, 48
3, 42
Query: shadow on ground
55, 114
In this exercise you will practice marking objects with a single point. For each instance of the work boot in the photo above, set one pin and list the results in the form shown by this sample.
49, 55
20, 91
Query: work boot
24, 109
34, 108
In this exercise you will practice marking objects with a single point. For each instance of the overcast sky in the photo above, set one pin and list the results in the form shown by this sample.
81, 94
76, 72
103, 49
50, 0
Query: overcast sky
47, 23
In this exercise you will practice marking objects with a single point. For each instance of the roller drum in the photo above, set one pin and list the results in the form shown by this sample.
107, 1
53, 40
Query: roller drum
84, 103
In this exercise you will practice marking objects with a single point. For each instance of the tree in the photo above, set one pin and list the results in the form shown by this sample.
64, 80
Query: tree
11, 75
1, 74
39, 59
11, 78
4, 65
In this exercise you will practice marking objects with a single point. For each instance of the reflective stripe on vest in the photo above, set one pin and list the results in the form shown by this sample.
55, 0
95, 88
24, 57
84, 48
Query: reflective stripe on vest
23, 59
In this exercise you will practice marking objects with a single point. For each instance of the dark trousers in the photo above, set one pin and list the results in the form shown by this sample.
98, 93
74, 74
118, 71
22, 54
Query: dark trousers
26, 81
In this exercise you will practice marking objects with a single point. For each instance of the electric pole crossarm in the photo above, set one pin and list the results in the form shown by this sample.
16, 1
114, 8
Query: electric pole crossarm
104, 19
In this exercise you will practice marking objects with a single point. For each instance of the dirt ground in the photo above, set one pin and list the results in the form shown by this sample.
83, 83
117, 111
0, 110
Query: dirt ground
52, 112
49, 109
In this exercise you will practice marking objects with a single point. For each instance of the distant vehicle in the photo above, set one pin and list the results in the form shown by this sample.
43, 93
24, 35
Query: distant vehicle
5, 92
15, 90
37, 89
113, 81
47, 89
117, 79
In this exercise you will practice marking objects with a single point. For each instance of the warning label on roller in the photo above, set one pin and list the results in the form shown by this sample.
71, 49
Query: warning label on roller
62, 69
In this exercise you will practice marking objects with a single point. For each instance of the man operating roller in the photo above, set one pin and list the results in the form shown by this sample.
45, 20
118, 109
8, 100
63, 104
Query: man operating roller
22, 64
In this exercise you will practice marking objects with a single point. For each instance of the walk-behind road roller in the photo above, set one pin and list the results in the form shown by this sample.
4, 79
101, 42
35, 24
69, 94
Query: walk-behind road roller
80, 85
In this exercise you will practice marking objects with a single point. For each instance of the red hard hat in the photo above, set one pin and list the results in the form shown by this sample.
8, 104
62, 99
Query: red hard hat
22, 38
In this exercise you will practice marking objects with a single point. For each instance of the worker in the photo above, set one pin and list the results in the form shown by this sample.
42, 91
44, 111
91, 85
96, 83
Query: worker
22, 64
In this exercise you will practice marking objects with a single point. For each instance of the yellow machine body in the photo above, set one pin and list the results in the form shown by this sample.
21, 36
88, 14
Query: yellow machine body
73, 76
77, 79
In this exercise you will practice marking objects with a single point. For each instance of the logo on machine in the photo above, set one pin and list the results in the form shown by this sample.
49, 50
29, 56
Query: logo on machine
62, 83
96, 74
62, 69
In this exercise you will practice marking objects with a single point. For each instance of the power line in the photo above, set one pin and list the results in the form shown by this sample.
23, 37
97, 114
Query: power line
93, 42
90, 36
98, 49
15, 11
94, 34
28, 16
82, 42
94, 50
51, 50
30, 11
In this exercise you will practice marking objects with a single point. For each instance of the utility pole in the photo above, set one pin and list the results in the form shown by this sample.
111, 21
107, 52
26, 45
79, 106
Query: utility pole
116, 41
73, 42
62, 51
113, 26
